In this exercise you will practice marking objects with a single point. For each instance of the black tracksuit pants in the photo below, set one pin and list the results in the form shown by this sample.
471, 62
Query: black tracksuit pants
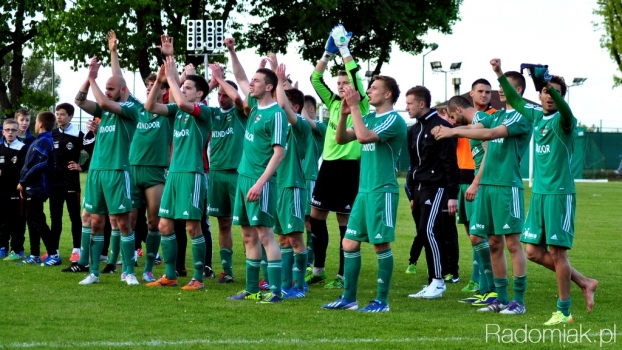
437, 230
58, 197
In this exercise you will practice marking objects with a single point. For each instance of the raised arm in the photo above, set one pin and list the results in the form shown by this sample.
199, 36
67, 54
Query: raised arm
217, 75
100, 97
317, 77
567, 118
80, 100
180, 98
238, 70
363, 134
114, 54
281, 97
474, 133
167, 49
152, 105
512, 96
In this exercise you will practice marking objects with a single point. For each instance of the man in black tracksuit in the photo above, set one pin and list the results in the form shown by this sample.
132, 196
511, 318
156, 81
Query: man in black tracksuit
12, 220
68, 144
433, 183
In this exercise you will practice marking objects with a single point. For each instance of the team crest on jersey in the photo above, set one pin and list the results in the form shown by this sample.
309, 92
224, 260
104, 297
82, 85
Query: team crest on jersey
229, 117
14, 159
185, 119
544, 131
258, 118
69, 146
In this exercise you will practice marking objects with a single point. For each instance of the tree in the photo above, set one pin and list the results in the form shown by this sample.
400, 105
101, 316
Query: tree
376, 25
79, 32
37, 92
17, 29
611, 12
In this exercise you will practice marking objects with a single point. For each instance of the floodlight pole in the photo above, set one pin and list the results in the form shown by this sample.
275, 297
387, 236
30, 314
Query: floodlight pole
434, 47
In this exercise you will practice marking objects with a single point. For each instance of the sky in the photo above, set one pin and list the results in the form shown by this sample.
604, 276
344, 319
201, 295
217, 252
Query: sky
559, 33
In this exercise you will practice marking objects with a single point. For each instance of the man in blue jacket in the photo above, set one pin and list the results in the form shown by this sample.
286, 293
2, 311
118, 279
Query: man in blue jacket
34, 185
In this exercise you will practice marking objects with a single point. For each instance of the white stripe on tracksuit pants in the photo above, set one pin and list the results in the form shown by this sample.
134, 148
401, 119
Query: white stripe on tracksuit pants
437, 229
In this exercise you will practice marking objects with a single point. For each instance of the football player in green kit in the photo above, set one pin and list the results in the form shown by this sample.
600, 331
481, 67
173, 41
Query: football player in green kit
499, 211
311, 167
228, 127
382, 134
108, 184
185, 185
550, 221
291, 187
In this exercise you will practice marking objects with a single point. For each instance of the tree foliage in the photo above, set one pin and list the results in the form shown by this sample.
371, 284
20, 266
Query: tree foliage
79, 32
376, 25
37, 91
17, 29
611, 13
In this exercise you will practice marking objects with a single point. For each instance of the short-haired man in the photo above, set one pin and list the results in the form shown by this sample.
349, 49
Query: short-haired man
338, 179
382, 134
228, 128
291, 186
35, 184
185, 186
433, 184
68, 145
108, 184
498, 216
12, 222
311, 167
256, 195
550, 221
467, 151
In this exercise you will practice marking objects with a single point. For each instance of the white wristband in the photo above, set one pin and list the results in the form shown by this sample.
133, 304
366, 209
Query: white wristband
345, 51
327, 56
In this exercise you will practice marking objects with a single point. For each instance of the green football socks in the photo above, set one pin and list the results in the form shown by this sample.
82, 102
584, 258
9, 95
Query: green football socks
96, 250
152, 245
169, 255
564, 306
501, 285
115, 244
252, 275
287, 258
127, 248
385, 272
198, 257
519, 287
352, 270
226, 256
300, 264
85, 246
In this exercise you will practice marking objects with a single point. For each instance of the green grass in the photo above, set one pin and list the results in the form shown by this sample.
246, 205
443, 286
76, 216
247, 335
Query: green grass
44, 308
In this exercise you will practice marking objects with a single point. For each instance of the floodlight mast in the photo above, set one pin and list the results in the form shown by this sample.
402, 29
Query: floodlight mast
205, 38
437, 67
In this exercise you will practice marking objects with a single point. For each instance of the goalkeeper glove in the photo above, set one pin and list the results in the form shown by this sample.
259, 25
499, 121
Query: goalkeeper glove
341, 38
330, 49
539, 73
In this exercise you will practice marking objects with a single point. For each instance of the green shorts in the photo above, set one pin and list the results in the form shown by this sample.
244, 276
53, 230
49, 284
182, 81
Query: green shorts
499, 210
307, 203
373, 218
258, 213
550, 220
108, 192
465, 208
289, 216
221, 192
144, 177
184, 196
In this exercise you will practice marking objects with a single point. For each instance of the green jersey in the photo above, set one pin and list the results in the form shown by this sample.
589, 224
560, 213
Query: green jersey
228, 129
379, 159
291, 172
190, 135
314, 151
152, 139
554, 137
332, 150
264, 129
114, 137
477, 150
504, 154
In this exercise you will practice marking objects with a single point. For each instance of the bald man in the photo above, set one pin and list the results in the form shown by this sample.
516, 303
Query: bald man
108, 189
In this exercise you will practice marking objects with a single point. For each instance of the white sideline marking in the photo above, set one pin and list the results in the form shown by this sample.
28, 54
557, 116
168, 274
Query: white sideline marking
247, 341
230, 341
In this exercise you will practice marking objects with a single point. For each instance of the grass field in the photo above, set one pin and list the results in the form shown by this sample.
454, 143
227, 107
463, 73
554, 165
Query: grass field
43, 308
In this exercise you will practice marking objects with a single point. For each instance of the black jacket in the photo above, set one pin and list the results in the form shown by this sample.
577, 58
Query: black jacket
68, 144
432, 163
37, 175
11, 162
